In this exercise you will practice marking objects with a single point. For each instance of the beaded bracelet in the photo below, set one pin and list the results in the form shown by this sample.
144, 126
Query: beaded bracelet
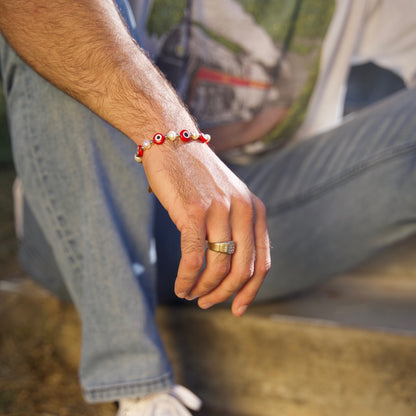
159, 138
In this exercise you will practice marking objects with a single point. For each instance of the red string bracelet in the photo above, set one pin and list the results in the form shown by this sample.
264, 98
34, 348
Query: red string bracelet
159, 139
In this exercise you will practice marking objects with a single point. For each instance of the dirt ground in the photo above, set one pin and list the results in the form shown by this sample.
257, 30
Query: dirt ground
39, 337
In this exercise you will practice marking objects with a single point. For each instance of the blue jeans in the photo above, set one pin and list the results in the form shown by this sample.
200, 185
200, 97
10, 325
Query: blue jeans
332, 202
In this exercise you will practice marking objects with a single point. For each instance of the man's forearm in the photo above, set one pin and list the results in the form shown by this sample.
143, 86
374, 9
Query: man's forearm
84, 48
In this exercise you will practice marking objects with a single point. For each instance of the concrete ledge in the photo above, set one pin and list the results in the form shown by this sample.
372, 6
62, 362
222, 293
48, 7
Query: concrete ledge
258, 365
346, 348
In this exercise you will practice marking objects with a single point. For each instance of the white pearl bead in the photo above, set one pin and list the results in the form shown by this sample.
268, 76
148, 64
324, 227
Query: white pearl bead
171, 135
195, 136
138, 159
146, 144
207, 137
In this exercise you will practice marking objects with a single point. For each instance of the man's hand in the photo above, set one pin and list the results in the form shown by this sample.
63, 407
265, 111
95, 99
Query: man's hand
83, 47
207, 201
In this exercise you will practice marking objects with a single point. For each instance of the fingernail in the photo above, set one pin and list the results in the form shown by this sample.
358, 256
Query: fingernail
181, 295
241, 310
193, 297
206, 305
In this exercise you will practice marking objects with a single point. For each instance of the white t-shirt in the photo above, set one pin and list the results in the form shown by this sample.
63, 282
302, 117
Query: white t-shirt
379, 31
232, 58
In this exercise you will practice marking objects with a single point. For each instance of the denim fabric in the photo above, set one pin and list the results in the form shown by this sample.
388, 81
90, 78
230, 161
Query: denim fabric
339, 198
127, 14
332, 202
90, 200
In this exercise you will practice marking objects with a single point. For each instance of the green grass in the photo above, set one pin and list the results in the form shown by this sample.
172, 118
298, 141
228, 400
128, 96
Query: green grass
169, 13
273, 15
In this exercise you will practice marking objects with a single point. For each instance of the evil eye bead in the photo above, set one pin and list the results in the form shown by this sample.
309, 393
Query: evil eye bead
202, 137
171, 135
158, 138
185, 135
139, 155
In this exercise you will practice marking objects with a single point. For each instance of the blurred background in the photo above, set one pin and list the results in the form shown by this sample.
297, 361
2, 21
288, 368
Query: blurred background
346, 348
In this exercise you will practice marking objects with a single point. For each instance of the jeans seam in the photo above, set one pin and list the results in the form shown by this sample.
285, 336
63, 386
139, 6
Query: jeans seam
103, 387
318, 190
54, 215
134, 387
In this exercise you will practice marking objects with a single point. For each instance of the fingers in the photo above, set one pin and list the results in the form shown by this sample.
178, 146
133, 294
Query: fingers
192, 260
262, 264
218, 265
240, 274
249, 263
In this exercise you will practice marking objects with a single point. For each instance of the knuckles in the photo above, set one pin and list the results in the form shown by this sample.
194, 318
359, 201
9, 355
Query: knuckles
193, 262
222, 268
245, 207
220, 205
263, 268
245, 277
196, 210
226, 293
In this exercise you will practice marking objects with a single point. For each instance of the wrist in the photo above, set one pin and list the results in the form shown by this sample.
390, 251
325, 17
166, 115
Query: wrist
172, 137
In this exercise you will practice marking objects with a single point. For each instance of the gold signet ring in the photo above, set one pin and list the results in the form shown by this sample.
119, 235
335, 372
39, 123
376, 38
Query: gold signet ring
227, 247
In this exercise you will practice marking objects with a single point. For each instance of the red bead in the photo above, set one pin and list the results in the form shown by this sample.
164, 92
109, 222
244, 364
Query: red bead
140, 151
202, 137
185, 135
158, 138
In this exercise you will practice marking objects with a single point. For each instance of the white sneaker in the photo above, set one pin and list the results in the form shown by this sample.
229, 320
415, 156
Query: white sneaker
169, 403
